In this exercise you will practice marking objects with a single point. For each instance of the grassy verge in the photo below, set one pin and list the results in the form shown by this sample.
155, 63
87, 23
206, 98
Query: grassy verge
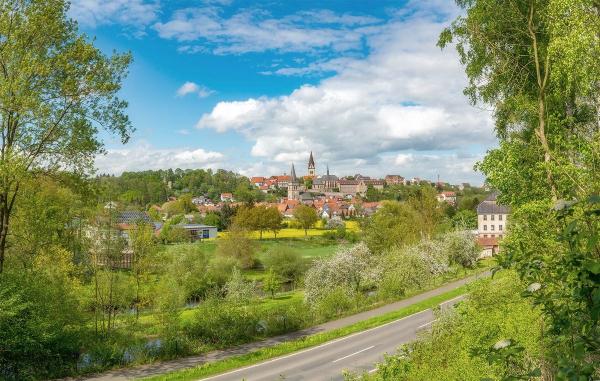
259, 355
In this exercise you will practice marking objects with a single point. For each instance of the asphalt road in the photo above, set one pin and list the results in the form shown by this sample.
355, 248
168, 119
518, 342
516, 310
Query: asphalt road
357, 353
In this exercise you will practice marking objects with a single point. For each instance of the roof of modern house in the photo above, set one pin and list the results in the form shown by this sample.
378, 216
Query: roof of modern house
196, 226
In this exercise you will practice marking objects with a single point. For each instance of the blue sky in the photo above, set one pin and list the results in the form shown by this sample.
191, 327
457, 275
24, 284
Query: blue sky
254, 86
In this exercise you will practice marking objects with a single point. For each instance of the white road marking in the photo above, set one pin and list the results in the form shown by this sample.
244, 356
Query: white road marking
451, 300
313, 348
352, 354
426, 324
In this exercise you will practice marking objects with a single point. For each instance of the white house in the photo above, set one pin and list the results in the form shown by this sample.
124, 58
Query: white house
492, 220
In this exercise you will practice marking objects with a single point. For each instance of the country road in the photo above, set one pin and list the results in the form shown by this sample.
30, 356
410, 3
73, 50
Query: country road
358, 352
147, 370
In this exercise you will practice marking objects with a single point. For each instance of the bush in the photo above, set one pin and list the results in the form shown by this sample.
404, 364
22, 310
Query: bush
334, 303
220, 323
334, 223
404, 271
285, 262
461, 248
287, 318
238, 290
237, 245
353, 270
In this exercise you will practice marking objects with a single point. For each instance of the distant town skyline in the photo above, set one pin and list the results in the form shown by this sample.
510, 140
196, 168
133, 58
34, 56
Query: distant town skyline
250, 88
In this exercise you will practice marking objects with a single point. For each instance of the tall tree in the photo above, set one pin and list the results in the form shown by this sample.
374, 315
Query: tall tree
306, 217
536, 63
56, 92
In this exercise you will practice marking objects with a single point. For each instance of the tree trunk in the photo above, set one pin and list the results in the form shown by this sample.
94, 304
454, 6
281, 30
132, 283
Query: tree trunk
542, 75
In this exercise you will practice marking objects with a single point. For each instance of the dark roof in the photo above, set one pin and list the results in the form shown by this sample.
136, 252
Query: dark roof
490, 207
311, 161
306, 196
293, 176
132, 217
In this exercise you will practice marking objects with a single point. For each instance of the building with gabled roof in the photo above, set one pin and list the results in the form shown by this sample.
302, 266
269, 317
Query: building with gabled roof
492, 220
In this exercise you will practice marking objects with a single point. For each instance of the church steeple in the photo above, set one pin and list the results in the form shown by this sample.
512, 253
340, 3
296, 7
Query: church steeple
293, 176
294, 185
327, 169
311, 165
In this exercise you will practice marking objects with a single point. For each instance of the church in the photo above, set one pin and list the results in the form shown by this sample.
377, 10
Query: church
325, 183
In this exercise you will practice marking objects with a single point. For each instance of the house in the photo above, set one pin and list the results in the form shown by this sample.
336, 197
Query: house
394, 180
282, 181
258, 181
448, 196
492, 220
348, 186
227, 197
199, 232
200, 200
377, 184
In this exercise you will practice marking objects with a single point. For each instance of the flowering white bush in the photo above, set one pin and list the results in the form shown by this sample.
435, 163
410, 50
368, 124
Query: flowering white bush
462, 248
351, 270
334, 223
433, 253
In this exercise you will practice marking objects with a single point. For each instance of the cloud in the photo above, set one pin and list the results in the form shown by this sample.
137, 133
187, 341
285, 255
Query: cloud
251, 30
406, 96
142, 156
136, 14
193, 88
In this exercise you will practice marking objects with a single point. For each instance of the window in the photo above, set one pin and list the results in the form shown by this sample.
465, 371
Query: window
492, 227
499, 217
485, 217
205, 233
492, 216
500, 227
485, 236
484, 227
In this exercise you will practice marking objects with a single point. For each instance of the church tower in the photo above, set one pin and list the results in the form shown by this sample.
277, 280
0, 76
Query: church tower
311, 165
293, 185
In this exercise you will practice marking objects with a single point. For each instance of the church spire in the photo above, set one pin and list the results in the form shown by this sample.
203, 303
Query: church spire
311, 165
293, 174
327, 169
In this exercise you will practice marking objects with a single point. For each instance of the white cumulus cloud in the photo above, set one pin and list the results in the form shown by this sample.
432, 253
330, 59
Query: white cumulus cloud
406, 96
136, 14
254, 30
143, 156
194, 88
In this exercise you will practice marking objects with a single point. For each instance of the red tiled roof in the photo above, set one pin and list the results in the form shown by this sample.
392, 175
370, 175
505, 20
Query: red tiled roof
487, 241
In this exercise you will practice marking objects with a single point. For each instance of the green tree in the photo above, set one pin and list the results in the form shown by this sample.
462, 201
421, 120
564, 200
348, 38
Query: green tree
531, 61
274, 220
238, 246
271, 283
306, 217
57, 91
212, 219
142, 249
394, 224
284, 261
